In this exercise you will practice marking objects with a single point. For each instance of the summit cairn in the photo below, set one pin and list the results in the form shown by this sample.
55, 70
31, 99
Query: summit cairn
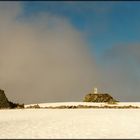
95, 91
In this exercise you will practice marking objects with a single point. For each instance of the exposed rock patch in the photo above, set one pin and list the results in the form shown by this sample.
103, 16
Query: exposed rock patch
4, 103
100, 97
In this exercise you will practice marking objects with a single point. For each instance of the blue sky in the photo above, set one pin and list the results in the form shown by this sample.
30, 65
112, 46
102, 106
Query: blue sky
112, 32
105, 23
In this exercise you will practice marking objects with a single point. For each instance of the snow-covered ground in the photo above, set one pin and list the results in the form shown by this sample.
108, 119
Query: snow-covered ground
85, 103
70, 123
66, 104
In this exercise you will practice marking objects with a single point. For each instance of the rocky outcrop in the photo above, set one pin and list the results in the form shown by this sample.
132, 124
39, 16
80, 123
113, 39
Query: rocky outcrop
5, 103
100, 97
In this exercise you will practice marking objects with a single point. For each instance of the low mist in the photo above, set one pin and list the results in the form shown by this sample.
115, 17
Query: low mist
43, 58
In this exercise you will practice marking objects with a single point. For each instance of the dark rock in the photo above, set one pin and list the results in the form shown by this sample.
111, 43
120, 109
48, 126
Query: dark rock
4, 103
16, 105
34, 106
100, 97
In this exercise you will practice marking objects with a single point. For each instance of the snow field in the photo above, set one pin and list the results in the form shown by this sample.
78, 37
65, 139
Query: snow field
70, 123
